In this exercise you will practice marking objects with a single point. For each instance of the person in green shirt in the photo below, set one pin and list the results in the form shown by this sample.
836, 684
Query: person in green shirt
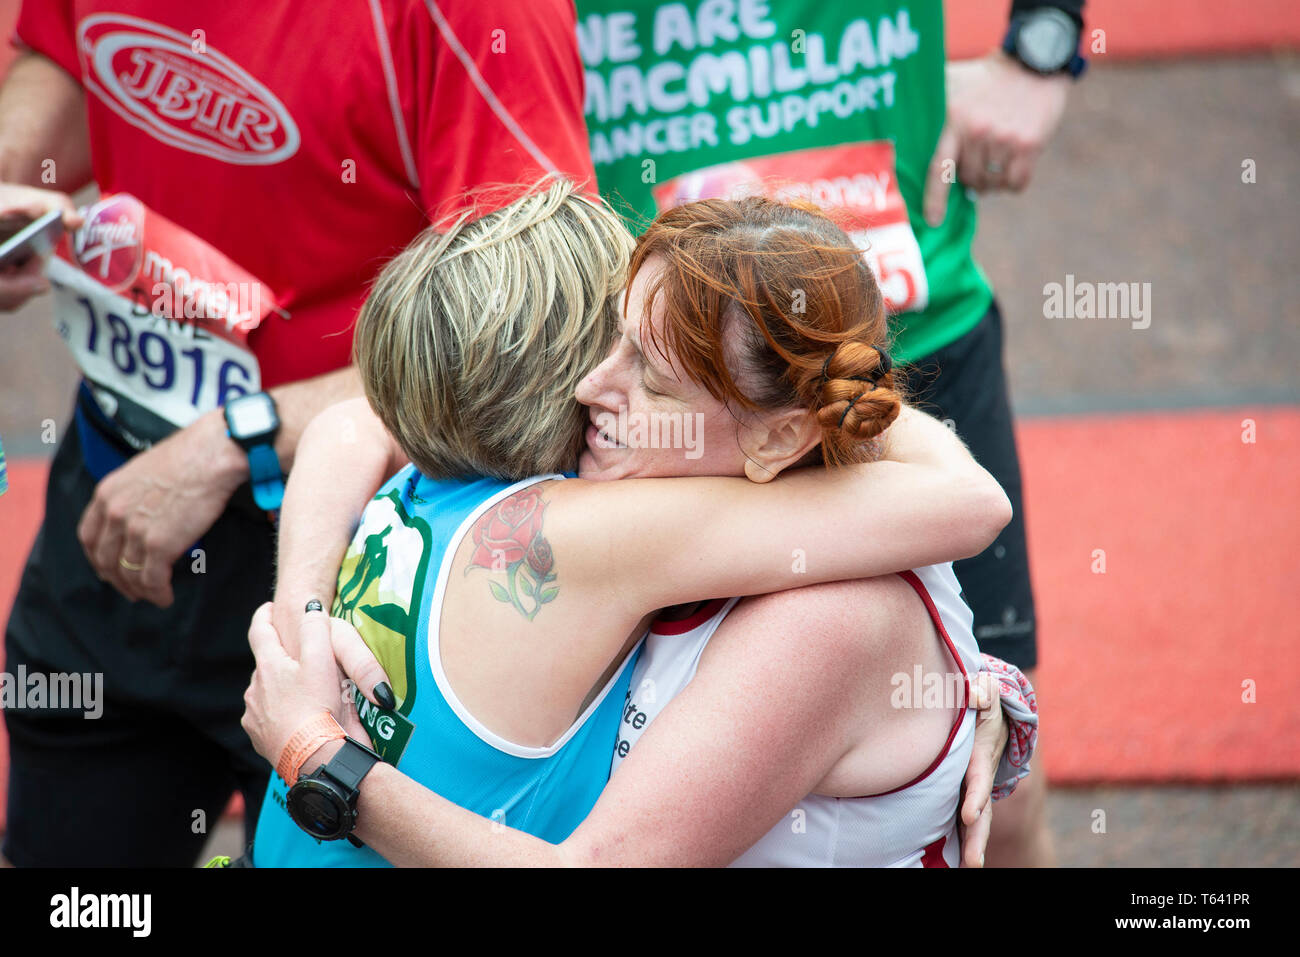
854, 108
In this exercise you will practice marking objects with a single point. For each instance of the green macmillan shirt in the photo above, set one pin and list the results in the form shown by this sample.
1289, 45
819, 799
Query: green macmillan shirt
841, 103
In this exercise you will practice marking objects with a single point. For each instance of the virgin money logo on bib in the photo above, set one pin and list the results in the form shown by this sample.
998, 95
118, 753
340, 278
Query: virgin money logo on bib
856, 184
724, 181
108, 247
182, 92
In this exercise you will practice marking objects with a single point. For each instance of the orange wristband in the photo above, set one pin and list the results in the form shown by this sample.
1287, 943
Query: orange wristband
317, 731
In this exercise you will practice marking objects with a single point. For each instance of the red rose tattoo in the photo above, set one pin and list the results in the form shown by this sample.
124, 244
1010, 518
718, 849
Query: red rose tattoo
508, 538
539, 556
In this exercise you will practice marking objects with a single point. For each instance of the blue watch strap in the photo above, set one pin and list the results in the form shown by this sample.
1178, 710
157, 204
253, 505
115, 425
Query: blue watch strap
266, 477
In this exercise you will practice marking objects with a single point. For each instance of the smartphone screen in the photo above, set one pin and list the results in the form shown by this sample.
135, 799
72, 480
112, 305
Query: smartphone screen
21, 238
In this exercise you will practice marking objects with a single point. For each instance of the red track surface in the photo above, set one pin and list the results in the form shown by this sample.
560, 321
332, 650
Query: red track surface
1143, 28
1142, 666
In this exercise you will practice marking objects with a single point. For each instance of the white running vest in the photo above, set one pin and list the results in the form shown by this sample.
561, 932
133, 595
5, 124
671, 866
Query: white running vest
911, 826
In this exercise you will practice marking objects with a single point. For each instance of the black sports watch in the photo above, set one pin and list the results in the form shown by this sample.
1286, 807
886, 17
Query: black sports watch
253, 422
1045, 40
324, 803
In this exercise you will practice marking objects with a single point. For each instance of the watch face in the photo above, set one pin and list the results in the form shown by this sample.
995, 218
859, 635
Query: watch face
1047, 41
250, 416
316, 810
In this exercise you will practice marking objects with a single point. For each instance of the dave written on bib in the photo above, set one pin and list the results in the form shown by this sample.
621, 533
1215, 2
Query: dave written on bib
156, 319
855, 184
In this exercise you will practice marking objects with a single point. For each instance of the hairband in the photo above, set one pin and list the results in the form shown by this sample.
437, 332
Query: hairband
847, 408
886, 366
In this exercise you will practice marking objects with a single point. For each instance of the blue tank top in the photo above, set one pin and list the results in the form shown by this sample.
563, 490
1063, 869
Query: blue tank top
391, 587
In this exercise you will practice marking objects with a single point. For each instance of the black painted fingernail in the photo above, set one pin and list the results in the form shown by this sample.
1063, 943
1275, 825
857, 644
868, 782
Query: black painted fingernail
314, 605
384, 695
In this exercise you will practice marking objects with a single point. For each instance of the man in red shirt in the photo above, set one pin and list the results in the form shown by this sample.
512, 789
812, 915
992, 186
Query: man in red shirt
291, 152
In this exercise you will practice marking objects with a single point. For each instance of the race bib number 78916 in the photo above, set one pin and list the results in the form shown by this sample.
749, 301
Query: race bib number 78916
177, 369
154, 316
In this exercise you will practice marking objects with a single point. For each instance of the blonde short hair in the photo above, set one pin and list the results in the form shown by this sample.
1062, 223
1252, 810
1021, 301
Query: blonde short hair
474, 338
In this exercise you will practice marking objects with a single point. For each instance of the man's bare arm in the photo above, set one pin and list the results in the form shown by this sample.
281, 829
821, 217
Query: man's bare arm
161, 500
44, 156
43, 118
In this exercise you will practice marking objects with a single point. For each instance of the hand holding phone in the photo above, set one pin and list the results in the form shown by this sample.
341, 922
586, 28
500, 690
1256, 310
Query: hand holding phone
31, 221
20, 239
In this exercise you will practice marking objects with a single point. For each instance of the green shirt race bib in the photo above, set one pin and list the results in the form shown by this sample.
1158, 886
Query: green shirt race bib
838, 103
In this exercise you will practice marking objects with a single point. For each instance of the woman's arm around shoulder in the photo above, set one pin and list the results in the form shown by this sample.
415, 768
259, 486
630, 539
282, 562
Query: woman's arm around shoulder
344, 456
659, 542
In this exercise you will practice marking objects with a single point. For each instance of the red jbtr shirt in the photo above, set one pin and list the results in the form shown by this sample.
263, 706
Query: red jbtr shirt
309, 142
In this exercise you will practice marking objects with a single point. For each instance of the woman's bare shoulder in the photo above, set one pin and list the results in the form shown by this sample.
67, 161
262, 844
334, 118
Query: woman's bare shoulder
862, 636
862, 617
